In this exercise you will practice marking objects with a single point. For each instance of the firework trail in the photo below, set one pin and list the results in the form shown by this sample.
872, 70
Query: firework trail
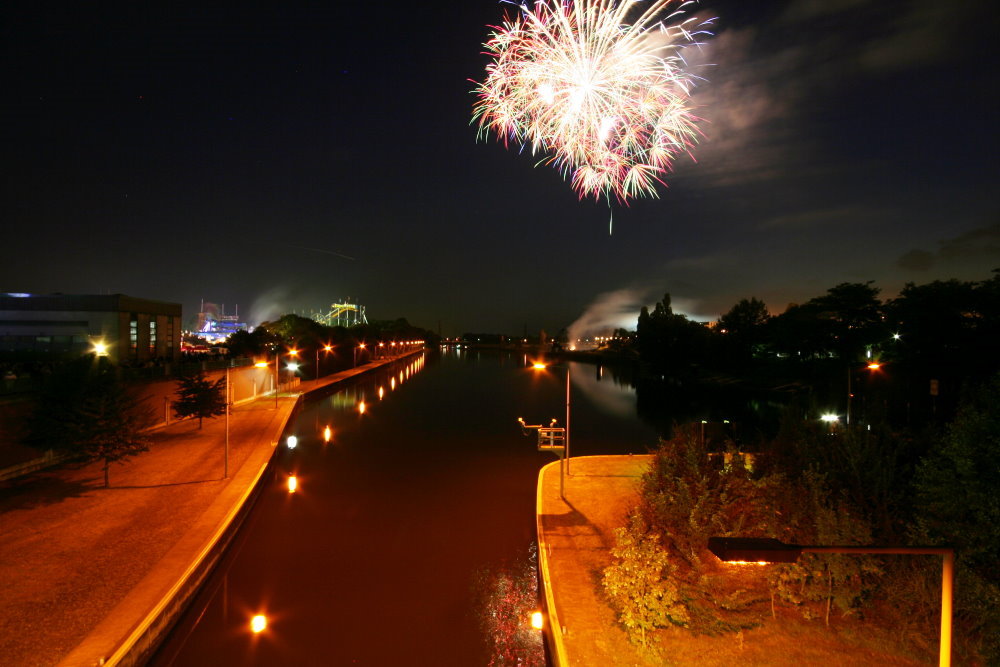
603, 98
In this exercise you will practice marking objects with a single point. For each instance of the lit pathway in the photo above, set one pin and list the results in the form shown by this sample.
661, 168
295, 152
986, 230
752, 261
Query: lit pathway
575, 537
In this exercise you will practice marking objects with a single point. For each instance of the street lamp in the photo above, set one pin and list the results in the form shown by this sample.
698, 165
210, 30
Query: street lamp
872, 366
264, 364
327, 349
541, 366
226, 475
769, 550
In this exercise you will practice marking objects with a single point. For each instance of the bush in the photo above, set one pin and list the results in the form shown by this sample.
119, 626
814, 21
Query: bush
639, 583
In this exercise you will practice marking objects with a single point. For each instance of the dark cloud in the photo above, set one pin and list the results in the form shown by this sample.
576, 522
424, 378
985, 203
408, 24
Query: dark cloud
916, 260
978, 245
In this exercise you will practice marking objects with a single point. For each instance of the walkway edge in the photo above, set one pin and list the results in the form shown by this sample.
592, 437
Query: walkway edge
169, 597
553, 628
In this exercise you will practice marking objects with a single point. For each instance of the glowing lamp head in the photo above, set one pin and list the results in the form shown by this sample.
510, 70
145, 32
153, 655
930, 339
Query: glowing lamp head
874, 366
293, 483
292, 442
830, 418
292, 367
539, 366
536, 620
261, 364
328, 348
100, 349
293, 352
258, 623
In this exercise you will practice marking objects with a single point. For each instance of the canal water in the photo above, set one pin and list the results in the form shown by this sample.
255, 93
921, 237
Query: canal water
411, 482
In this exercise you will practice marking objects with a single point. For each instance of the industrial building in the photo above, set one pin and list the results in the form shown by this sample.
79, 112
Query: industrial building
126, 329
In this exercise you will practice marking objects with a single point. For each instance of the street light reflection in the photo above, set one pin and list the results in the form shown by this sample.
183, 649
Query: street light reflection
258, 623
362, 407
293, 483
327, 434
381, 393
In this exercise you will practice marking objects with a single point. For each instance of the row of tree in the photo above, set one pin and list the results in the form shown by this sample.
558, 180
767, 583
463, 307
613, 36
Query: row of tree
930, 339
936, 324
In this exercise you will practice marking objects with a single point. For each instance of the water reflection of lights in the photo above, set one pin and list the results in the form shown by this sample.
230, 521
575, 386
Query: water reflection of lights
392, 384
362, 407
258, 623
327, 434
611, 397
292, 441
293, 483
381, 393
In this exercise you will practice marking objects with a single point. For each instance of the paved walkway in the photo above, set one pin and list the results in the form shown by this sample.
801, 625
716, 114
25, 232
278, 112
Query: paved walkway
81, 565
575, 537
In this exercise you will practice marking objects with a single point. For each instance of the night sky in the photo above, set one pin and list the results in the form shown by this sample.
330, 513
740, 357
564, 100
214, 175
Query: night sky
280, 157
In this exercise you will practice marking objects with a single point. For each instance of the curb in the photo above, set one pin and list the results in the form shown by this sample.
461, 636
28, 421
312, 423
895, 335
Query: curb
553, 628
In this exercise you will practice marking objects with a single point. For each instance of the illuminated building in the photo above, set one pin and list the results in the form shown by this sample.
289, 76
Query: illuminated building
123, 328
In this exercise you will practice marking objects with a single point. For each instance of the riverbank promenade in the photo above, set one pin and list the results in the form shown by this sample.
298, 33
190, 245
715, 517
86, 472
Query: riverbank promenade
84, 567
575, 538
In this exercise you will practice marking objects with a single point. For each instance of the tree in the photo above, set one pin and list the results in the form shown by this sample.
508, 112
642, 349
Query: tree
85, 409
198, 397
640, 584
744, 326
669, 343
853, 317
957, 504
243, 343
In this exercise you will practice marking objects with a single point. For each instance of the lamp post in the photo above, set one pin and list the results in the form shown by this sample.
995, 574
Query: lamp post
769, 550
361, 346
540, 366
226, 474
872, 366
327, 349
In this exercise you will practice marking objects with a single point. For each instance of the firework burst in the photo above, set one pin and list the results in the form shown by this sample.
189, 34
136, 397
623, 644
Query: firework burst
603, 98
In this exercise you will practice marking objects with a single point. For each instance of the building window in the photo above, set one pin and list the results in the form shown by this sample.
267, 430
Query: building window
152, 337
133, 333
170, 334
